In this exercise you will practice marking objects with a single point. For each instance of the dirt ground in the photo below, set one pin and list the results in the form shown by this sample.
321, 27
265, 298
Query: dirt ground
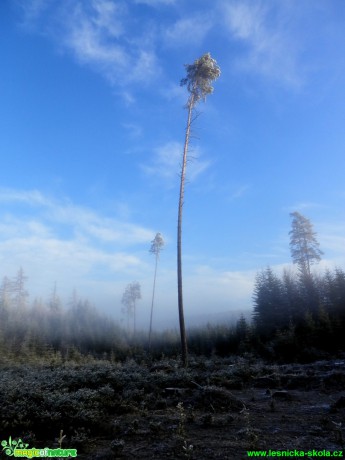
291, 407
215, 409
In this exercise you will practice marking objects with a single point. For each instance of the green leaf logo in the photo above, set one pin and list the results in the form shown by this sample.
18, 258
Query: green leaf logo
10, 446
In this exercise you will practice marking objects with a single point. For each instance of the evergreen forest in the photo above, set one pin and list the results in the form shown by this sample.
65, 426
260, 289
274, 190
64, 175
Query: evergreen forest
294, 318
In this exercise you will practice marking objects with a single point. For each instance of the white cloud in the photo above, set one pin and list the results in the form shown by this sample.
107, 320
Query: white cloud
13, 227
174, 92
167, 160
112, 231
32, 10
166, 163
271, 48
80, 220
128, 97
144, 67
88, 223
51, 217
99, 34
107, 17
85, 39
302, 206
55, 240
190, 30
31, 197
94, 37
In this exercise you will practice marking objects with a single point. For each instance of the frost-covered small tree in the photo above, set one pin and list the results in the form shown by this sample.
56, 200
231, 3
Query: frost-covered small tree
54, 301
6, 291
130, 296
303, 244
199, 77
5, 300
156, 247
21, 294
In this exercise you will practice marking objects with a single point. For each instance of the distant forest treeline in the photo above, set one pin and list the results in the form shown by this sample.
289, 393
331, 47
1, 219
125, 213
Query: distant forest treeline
295, 317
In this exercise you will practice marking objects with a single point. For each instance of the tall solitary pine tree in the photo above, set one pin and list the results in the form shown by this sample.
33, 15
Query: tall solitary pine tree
156, 247
303, 244
199, 77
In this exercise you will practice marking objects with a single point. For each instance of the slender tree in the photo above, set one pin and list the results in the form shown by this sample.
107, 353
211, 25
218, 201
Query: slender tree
5, 300
54, 301
199, 77
242, 328
303, 244
21, 293
130, 296
6, 291
156, 247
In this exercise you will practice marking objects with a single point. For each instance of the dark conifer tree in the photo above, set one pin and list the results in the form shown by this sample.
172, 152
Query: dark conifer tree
242, 328
270, 312
339, 292
295, 309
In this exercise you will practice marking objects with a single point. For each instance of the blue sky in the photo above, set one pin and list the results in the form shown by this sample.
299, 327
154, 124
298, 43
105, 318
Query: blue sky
92, 127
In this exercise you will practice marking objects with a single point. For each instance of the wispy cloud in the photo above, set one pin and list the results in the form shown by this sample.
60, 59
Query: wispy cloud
302, 206
32, 11
56, 240
166, 163
174, 92
133, 129
155, 2
239, 192
99, 34
30, 197
190, 30
98, 37
52, 217
270, 47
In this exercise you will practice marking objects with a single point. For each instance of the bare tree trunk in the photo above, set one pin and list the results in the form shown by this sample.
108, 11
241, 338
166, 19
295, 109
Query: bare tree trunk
179, 237
153, 296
